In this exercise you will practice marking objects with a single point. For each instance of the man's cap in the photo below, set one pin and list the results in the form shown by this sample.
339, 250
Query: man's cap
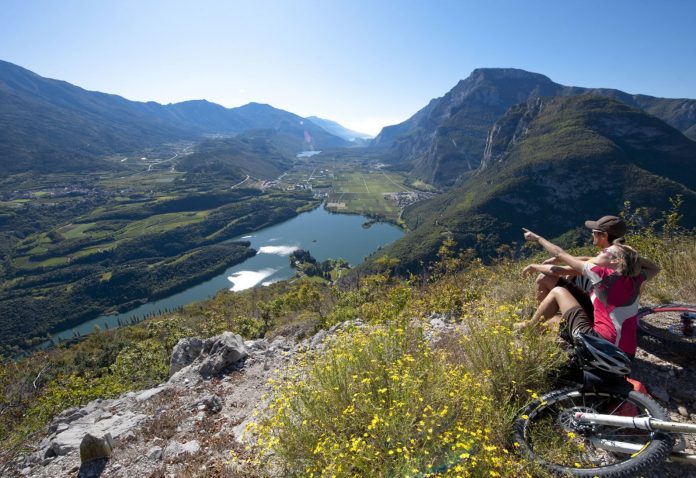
612, 225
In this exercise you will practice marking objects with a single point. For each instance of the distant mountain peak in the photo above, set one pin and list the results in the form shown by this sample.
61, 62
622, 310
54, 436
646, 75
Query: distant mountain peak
502, 73
338, 130
551, 162
51, 125
446, 139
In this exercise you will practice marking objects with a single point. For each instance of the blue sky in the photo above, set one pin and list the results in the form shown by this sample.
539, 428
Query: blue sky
365, 64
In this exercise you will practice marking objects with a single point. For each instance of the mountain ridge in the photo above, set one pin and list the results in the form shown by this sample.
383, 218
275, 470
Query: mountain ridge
445, 140
51, 125
339, 130
556, 160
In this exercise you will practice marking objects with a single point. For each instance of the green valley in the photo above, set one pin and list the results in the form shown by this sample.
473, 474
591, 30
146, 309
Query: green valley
76, 246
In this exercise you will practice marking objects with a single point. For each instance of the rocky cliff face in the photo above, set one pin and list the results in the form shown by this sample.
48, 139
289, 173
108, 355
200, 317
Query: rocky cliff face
447, 139
551, 163
510, 130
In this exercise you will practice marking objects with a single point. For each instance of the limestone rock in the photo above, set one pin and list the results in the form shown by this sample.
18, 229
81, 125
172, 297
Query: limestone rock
154, 453
221, 353
69, 440
94, 448
184, 353
175, 449
317, 339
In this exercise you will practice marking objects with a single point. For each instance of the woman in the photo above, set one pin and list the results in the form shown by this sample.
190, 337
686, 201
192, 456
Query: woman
616, 275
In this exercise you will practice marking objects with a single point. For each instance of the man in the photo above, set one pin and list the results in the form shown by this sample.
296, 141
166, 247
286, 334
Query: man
616, 273
605, 231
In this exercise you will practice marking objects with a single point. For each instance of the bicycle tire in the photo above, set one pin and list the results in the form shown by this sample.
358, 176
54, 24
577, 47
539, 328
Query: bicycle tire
544, 434
660, 329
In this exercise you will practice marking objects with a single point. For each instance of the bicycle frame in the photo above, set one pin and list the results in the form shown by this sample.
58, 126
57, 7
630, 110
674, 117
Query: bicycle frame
640, 423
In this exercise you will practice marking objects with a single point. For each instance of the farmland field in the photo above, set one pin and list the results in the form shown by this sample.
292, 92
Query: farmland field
366, 193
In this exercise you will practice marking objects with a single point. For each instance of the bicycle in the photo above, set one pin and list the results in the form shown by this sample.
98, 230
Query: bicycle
600, 427
668, 328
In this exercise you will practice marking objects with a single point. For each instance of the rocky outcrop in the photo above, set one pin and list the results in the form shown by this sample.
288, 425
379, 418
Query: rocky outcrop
215, 385
68, 430
189, 428
184, 353
96, 448
509, 130
194, 359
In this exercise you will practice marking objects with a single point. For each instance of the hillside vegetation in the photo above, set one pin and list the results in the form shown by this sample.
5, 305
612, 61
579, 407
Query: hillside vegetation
550, 164
379, 401
51, 126
445, 141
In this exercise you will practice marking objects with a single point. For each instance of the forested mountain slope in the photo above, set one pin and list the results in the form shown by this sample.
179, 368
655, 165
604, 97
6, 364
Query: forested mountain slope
48, 125
550, 164
445, 140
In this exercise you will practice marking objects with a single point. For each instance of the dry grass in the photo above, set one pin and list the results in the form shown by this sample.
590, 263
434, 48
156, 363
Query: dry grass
677, 280
163, 425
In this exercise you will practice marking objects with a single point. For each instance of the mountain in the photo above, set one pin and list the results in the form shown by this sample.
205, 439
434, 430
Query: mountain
446, 139
549, 164
338, 130
234, 158
50, 125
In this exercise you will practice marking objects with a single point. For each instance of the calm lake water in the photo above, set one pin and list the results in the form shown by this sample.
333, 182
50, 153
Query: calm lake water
323, 234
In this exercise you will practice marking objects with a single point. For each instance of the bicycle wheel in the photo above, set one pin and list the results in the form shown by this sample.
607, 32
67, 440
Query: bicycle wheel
546, 432
668, 328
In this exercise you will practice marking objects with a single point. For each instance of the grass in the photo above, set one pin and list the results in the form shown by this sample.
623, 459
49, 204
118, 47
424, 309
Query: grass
390, 398
160, 223
381, 401
151, 225
95, 249
24, 262
75, 231
421, 185
364, 193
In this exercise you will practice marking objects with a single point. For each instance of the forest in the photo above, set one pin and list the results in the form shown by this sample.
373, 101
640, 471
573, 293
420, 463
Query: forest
105, 244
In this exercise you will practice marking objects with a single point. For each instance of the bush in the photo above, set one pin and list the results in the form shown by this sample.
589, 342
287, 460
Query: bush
380, 401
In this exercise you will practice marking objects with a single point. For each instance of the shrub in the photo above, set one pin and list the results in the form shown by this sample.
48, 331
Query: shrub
380, 401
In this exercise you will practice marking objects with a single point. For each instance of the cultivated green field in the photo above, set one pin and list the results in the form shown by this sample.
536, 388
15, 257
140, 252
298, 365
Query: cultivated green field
366, 193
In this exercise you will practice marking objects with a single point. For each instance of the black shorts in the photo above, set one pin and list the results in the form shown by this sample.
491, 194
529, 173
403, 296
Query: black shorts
579, 294
575, 321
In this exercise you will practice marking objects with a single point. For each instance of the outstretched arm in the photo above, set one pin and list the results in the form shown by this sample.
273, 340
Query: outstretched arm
556, 251
553, 260
549, 270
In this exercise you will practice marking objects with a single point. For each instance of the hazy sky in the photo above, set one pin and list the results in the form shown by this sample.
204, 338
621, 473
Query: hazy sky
363, 63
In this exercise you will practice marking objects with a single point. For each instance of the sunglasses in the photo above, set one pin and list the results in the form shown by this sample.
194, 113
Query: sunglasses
595, 232
608, 252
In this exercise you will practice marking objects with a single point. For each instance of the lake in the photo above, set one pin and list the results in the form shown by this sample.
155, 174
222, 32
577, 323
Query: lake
325, 235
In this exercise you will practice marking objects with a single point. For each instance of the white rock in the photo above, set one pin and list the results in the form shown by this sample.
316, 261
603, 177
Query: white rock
147, 394
69, 440
154, 453
192, 447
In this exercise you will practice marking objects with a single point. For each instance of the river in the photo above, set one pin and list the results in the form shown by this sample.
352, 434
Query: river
325, 235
